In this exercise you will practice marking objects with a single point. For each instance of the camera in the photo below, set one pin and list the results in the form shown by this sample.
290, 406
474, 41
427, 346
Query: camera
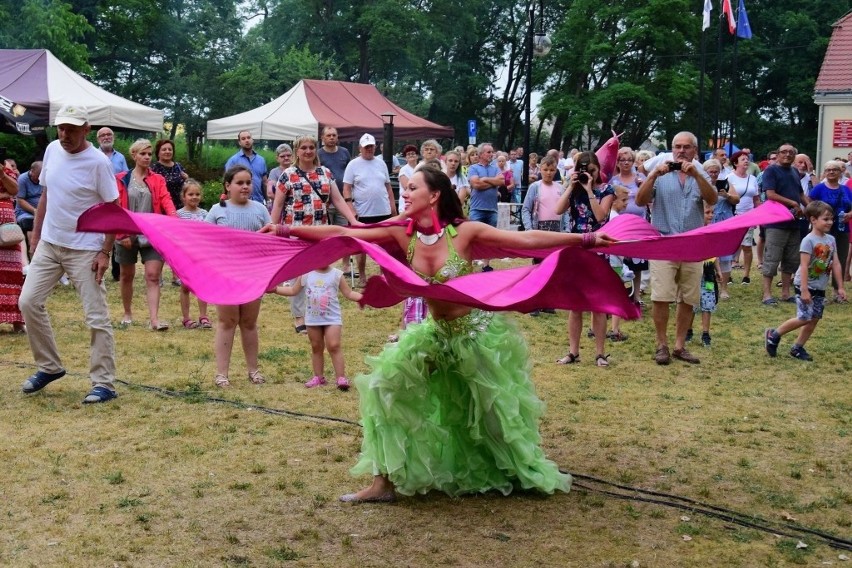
675, 166
581, 170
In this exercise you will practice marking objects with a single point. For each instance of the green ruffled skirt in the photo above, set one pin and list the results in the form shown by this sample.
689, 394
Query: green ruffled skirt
451, 407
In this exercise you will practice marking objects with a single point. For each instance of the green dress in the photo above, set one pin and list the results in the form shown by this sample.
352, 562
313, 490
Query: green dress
451, 406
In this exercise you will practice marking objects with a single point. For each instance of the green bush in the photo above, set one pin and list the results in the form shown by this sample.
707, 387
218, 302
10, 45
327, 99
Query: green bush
210, 192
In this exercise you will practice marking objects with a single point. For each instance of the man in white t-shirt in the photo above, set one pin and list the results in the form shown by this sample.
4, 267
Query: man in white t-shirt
77, 176
367, 188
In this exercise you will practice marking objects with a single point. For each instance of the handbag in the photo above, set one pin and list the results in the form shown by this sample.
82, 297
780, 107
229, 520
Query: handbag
10, 235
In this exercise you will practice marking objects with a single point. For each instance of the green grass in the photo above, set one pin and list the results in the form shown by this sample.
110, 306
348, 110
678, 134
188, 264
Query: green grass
155, 480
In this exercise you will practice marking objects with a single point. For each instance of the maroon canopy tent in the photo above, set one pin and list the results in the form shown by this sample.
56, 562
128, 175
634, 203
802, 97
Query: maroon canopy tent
352, 108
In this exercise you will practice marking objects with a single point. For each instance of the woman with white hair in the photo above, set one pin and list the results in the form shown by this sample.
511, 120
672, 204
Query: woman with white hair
142, 191
284, 157
839, 197
722, 211
431, 150
744, 185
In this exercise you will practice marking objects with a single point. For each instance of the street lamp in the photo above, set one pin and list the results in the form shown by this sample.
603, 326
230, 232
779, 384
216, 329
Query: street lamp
387, 142
538, 45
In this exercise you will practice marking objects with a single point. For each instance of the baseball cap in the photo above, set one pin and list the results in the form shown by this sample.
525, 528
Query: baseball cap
367, 140
72, 114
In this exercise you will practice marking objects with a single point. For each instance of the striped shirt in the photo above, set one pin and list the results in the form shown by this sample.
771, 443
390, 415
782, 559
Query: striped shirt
198, 215
249, 217
677, 207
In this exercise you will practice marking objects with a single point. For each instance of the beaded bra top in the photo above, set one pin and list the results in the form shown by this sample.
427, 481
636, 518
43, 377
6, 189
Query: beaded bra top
455, 265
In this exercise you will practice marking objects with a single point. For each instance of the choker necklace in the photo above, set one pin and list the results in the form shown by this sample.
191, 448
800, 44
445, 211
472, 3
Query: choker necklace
429, 240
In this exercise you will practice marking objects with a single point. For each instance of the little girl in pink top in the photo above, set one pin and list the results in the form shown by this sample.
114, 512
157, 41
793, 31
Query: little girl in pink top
539, 208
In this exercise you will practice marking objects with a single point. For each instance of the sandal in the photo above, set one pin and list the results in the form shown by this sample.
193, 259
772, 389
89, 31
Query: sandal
602, 360
190, 324
100, 394
221, 381
256, 378
393, 338
616, 336
204, 322
569, 359
161, 326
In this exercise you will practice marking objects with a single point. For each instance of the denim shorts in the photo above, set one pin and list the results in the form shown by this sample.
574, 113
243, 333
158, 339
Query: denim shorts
484, 216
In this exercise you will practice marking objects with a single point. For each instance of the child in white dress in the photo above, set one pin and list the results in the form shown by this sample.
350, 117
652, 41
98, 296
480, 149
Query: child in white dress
324, 320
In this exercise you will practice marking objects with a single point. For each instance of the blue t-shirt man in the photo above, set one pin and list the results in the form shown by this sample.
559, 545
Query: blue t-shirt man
29, 191
254, 162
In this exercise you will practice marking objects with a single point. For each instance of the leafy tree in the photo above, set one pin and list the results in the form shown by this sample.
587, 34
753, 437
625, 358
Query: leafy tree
46, 24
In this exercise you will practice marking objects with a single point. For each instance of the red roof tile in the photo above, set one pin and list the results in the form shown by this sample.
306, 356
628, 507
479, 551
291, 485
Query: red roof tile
835, 76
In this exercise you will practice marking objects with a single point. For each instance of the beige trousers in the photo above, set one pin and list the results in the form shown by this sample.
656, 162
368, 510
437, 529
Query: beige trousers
47, 266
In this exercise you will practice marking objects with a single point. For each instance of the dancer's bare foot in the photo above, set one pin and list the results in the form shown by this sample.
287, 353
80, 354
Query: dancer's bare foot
380, 491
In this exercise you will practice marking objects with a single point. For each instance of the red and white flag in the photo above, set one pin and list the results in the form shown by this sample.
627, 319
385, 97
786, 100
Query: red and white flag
727, 11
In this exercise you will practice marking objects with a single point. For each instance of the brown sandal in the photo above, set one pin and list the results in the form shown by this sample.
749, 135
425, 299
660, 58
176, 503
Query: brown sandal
256, 378
568, 359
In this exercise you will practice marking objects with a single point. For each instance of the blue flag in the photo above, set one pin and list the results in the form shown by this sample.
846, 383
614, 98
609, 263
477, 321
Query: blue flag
743, 27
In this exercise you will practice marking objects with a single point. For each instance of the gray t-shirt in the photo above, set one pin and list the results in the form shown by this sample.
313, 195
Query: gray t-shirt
821, 249
249, 217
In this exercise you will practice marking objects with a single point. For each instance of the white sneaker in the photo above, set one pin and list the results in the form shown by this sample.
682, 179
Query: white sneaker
64, 280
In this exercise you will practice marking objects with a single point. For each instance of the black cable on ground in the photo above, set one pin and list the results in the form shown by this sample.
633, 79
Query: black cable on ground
697, 507
657, 498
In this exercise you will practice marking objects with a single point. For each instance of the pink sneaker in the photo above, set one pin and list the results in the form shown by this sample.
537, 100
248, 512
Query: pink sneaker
343, 383
316, 381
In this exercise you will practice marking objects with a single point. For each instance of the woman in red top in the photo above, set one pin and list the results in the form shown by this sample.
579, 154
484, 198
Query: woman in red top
11, 277
142, 191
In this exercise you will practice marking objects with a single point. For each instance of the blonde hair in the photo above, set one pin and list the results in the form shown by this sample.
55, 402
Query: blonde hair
140, 144
190, 182
306, 138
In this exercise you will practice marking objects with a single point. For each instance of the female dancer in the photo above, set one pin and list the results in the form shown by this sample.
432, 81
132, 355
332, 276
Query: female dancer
450, 406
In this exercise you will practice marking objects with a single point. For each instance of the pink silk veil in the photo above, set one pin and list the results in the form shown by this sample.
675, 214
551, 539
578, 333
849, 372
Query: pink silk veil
227, 266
